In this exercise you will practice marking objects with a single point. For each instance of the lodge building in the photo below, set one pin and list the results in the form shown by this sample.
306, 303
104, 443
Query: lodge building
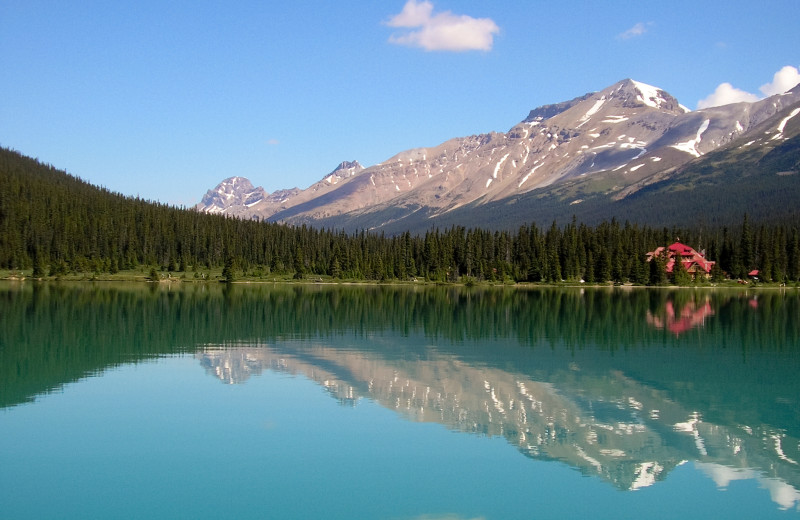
694, 262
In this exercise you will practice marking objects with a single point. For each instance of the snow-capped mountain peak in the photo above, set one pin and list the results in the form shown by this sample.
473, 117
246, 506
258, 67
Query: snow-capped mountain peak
650, 95
636, 94
230, 195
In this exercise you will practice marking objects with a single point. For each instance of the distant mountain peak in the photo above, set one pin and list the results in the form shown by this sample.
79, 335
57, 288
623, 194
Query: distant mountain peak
629, 93
348, 165
638, 93
343, 171
230, 194
236, 182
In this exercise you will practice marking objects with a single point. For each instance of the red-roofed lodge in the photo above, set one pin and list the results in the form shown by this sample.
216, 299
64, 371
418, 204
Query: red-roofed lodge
694, 262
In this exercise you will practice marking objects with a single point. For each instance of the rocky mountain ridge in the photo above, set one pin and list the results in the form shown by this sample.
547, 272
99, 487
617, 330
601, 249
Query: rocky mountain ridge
626, 134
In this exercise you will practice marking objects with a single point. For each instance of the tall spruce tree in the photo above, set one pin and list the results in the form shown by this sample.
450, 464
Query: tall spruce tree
228, 274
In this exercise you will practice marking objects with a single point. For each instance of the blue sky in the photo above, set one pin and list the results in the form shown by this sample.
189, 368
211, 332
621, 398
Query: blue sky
165, 99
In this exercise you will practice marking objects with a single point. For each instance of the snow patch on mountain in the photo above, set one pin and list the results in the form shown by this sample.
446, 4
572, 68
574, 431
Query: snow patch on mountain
690, 146
783, 122
533, 170
499, 165
592, 111
614, 119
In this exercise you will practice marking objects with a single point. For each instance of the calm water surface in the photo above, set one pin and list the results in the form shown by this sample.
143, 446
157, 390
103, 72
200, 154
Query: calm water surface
124, 401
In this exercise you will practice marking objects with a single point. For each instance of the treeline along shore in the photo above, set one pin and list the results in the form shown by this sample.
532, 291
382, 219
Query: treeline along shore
53, 224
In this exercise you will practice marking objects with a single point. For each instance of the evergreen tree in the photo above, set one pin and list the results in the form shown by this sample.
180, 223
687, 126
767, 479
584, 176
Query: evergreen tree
114, 265
603, 273
228, 269
299, 264
38, 264
717, 274
793, 256
640, 273
746, 249
588, 275
658, 270
679, 274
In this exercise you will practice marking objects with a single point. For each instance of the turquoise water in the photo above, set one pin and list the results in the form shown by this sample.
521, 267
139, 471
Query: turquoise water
373, 402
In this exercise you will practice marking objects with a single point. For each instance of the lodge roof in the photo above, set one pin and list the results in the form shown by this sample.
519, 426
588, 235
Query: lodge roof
691, 259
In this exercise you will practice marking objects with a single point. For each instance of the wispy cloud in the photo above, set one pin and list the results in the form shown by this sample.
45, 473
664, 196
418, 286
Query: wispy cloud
783, 80
443, 31
637, 30
273, 142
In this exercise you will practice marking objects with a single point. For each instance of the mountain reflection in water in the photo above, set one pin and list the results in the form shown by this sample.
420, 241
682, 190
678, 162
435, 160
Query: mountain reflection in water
597, 417
602, 422
625, 385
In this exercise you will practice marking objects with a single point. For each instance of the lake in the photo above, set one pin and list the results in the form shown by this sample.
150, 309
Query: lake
311, 401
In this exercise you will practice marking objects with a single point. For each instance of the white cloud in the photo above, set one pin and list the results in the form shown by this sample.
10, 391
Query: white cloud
441, 31
414, 14
726, 94
783, 80
637, 30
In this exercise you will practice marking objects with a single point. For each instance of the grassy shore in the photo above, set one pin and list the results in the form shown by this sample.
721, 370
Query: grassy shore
144, 274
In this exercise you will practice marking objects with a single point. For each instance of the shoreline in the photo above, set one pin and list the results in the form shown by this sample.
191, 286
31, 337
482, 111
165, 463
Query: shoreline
285, 280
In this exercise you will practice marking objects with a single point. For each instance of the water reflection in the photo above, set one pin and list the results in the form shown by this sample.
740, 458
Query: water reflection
603, 422
692, 314
783, 494
622, 385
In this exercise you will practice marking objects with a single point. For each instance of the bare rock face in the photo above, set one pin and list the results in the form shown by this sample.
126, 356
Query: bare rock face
630, 131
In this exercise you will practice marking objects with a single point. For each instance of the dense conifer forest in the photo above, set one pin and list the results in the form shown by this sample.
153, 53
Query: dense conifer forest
53, 224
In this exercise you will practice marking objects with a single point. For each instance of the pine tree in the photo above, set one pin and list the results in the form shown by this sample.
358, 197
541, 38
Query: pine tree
299, 264
228, 270
38, 264
793, 256
658, 271
679, 274
746, 249
588, 275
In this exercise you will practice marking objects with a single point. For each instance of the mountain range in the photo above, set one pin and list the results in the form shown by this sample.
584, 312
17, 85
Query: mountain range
629, 151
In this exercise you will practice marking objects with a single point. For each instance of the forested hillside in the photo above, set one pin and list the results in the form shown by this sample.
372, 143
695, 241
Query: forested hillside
53, 223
